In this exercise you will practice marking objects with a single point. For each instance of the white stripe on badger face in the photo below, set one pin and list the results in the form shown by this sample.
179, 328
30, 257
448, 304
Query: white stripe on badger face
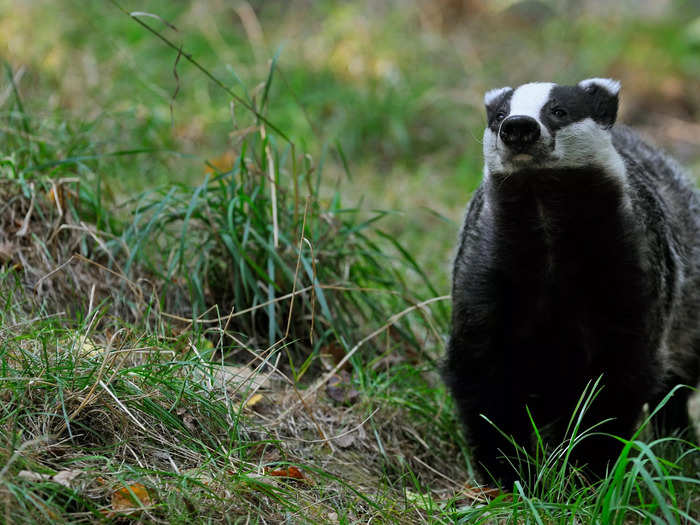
585, 143
529, 99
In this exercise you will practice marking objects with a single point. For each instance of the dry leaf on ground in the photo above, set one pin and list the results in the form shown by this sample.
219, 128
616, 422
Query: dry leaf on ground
345, 440
86, 347
28, 475
289, 472
331, 355
340, 389
222, 163
63, 477
188, 419
66, 477
6, 252
237, 377
254, 399
129, 500
482, 494
56, 195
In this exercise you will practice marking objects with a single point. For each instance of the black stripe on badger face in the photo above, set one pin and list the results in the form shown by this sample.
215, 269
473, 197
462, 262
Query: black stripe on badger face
568, 104
497, 103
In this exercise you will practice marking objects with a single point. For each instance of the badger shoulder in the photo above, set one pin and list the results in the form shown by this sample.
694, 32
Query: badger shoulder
666, 201
650, 168
641, 155
476, 230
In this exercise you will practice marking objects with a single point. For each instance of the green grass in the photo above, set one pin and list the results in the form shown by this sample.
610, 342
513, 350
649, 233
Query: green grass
171, 263
142, 409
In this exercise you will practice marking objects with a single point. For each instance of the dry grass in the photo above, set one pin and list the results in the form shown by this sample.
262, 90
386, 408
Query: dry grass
64, 264
104, 390
136, 408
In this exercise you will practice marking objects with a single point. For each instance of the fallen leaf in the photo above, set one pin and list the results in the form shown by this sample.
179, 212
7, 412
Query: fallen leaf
129, 500
222, 163
206, 344
339, 388
255, 398
28, 475
86, 347
331, 355
236, 377
483, 494
289, 472
6, 251
188, 419
65, 477
190, 422
346, 440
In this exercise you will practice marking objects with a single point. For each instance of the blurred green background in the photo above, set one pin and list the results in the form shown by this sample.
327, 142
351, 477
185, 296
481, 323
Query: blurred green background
387, 94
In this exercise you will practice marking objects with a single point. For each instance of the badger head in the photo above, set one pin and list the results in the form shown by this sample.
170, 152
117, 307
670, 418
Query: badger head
548, 126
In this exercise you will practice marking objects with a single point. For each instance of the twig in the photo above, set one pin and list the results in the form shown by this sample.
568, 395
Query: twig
25, 226
342, 434
313, 291
121, 405
10, 87
273, 187
206, 72
296, 270
76, 256
335, 287
434, 471
251, 25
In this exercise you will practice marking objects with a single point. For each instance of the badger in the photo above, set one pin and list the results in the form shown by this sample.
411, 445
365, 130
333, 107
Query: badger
579, 259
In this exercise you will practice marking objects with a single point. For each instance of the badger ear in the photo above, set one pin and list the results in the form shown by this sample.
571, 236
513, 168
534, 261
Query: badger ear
493, 100
604, 94
493, 96
608, 84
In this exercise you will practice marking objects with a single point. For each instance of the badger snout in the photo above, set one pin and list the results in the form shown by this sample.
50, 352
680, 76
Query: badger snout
519, 132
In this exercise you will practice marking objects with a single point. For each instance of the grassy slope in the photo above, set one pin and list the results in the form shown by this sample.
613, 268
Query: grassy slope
116, 392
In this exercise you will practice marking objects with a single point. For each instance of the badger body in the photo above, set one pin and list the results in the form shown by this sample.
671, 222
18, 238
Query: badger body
579, 258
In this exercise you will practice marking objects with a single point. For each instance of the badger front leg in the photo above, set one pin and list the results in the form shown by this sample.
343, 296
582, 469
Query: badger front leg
493, 454
473, 367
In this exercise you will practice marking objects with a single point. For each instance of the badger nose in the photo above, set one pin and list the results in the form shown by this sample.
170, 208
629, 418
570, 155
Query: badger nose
519, 131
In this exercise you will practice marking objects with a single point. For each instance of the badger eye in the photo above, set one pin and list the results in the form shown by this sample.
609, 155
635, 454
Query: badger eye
499, 116
558, 112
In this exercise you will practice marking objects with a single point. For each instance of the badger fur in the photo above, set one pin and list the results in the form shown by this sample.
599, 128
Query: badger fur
579, 258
